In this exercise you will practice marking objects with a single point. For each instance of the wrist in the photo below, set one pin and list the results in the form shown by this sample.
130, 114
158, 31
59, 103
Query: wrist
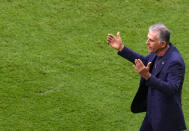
121, 47
148, 76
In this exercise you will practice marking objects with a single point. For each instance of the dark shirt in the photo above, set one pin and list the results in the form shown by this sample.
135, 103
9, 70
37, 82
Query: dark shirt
150, 102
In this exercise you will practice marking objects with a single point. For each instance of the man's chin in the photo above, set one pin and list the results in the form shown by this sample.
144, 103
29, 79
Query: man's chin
150, 51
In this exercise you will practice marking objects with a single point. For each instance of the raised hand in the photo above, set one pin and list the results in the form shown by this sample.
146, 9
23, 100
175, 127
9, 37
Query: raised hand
115, 42
141, 69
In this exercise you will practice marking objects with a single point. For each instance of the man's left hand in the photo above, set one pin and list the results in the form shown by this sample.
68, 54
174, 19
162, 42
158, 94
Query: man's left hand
141, 69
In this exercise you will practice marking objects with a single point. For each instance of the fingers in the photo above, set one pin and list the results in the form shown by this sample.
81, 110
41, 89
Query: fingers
139, 65
110, 37
148, 66
135, 67
118, 34
138, 62
141, 69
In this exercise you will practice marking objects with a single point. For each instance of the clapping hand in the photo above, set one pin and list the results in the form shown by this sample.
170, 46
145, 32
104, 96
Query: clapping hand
141, 69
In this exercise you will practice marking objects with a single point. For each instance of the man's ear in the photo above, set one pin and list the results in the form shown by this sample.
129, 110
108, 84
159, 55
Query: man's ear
163, 44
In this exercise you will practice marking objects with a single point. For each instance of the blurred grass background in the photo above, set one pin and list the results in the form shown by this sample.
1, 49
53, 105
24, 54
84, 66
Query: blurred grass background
58, 73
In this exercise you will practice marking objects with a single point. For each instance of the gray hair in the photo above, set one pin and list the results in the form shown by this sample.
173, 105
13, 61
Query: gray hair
164, 33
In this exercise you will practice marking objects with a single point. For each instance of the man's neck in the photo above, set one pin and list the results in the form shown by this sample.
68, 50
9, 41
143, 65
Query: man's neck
161, 52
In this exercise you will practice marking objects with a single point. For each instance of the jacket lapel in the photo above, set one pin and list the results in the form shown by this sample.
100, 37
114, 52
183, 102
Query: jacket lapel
160, 65
163, 61
152, 59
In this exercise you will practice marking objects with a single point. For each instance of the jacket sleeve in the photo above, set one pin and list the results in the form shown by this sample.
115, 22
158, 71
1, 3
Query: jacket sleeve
173, 82
131, 55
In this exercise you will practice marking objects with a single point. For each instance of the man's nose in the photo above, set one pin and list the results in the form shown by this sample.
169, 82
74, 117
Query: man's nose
147, 42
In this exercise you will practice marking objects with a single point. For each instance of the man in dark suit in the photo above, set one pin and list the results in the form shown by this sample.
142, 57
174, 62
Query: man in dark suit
162, 76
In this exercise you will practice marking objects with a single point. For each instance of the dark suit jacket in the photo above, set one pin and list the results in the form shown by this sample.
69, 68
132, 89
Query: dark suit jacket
166, 86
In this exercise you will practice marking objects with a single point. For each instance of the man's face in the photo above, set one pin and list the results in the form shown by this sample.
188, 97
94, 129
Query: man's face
153, 42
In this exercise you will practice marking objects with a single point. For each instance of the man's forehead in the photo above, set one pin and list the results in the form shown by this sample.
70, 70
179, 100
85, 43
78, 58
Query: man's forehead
152, 34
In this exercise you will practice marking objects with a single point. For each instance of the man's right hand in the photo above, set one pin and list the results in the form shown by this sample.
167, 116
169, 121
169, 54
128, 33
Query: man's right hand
115, 42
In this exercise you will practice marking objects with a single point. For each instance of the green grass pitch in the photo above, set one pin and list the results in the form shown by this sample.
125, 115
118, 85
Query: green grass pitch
57, 72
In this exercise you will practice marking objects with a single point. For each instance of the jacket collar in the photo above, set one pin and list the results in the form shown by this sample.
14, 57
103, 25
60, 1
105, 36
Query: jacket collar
164, 58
